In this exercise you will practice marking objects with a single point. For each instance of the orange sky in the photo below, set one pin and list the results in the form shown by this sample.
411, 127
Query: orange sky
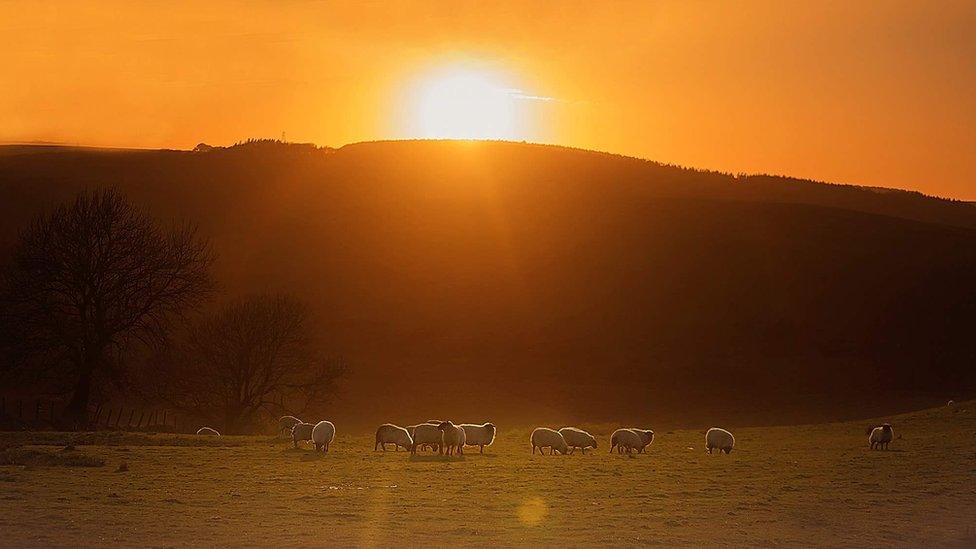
879, 93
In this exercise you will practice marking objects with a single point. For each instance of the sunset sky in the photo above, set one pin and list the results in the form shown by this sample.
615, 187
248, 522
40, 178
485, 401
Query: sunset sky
878, 93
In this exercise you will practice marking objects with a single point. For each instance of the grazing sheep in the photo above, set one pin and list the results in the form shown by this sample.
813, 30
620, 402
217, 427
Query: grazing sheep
301, 431
719, 439
647, 437
208, 431
453, 438
577, 438
543, 437
413, 428
285, 423
951, 403
627, 439
427, 434
479, 435
322, 435
392, 434
881, 437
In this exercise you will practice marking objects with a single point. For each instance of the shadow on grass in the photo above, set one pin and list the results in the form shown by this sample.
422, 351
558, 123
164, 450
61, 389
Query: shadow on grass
435, 458
64, 458
314, 456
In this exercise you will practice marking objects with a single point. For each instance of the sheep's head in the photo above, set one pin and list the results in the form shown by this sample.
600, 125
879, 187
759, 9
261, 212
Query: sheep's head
445, 425
886, 427
593, 441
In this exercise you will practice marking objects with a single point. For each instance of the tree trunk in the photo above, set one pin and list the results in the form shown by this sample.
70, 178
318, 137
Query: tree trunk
75, 415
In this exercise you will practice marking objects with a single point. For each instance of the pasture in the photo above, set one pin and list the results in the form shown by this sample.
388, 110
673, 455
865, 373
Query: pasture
811, 484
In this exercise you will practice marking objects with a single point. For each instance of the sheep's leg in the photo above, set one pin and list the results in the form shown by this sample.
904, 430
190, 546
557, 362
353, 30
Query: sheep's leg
482, 449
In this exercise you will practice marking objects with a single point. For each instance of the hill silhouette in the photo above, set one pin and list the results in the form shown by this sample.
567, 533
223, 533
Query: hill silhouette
504, 280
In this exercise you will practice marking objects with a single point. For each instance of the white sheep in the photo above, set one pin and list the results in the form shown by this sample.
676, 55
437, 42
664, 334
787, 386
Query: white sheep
881, 437
427, 434
208, 431
453, 438
413, 428
479, 435
285, 423
577, 438
719, 439
301, 432
322, 435
543, 437
392, 434
647, 436
628, 440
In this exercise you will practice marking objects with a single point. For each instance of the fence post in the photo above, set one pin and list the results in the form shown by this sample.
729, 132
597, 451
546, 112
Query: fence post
131, 415
118, 418
98, 412
141, 415
164, 418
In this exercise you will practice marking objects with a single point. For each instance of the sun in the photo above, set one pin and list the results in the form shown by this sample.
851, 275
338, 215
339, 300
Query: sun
465, 104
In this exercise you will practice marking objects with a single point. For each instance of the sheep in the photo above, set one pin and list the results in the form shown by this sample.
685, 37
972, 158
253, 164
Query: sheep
413, 428
719, 439
577, 438
301, 431
427, 434
392, 434
543, 437
285, 423
479, 435
453, 437
627, 439
322, 435
208, 431
647, 437
881, 437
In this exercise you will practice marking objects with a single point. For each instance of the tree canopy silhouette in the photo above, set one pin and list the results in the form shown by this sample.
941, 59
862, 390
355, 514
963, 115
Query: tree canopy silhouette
94, 275
246, 359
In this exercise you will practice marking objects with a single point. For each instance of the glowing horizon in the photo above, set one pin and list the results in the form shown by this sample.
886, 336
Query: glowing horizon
874, 93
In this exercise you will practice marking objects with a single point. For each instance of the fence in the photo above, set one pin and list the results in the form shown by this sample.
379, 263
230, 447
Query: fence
38, 413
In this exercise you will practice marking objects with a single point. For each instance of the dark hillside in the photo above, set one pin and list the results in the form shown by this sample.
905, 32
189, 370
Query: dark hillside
519, 281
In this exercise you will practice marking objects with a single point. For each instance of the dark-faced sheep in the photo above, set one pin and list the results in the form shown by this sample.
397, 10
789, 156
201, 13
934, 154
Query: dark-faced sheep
881, 437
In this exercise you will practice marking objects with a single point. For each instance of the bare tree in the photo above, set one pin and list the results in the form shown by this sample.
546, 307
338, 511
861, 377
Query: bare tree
247, 359
92, 276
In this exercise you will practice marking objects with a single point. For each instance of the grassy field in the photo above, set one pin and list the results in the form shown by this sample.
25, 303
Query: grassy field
811, 484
